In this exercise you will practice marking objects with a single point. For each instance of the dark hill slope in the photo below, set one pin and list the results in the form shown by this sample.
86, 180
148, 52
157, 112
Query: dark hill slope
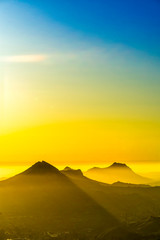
42, 197
119, 233
127, 202
148, 226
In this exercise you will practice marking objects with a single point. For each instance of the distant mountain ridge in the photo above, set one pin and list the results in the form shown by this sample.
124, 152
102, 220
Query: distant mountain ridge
114, 165
44, 196
114, 173
72, 172
122, 184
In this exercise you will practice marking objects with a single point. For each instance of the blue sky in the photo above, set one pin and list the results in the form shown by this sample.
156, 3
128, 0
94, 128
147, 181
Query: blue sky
80, 47
91, 64
133, 23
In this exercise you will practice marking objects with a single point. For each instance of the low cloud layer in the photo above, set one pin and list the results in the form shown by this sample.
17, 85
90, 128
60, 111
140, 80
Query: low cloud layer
24, 58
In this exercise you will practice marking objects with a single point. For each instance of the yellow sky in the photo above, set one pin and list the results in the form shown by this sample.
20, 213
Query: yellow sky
73, 100
77, 116
83, 144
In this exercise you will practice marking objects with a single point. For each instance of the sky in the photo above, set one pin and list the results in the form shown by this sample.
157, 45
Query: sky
79, 83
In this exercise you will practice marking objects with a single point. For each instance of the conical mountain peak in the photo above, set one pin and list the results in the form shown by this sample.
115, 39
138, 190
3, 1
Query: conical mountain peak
41, 167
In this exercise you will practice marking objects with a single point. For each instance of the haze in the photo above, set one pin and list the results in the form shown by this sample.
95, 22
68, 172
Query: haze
79, 89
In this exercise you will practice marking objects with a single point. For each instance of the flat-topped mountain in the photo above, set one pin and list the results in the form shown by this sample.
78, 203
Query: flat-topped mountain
72, 172
114, 173
119, 165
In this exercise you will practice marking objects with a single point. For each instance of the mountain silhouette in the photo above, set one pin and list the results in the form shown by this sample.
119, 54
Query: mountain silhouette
72, 172
47, 199
41, 168
114, 173
40, 173
119, 165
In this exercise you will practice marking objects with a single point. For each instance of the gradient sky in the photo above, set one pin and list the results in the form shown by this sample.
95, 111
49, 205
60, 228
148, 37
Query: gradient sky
80, 82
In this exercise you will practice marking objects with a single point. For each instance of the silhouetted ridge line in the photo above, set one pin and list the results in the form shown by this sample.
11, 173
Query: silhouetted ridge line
116, 172
41, 168
67, 169
51, 201
114, 165
70, 171
119, 165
